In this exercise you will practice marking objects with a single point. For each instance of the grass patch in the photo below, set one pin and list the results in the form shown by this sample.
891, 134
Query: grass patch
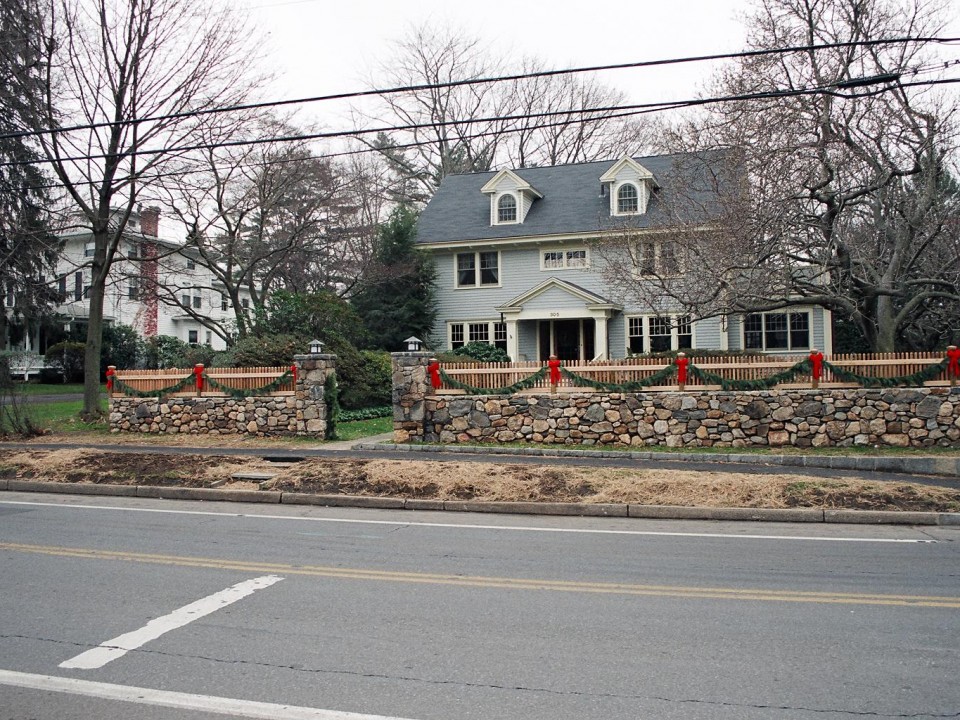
65, 417
364, 428
48, 388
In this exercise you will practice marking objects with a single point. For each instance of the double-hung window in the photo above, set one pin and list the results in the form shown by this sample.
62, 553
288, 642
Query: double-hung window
659, 333
506, 209
478, 269
656, 257
563, 259
489, 331
777, 331
628, 200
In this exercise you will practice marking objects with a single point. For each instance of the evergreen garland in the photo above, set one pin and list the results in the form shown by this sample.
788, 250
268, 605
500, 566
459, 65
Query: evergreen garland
709, 378
120, 386
658, 378
914, 380
239, 393
526, 383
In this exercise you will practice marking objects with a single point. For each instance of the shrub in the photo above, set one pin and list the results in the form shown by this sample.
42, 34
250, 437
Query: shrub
484, 352
263, 351
165, 351
122, 347
67, 358
364, 376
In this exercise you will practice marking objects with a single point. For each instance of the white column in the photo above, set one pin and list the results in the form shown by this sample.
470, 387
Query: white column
600, 338
513, 340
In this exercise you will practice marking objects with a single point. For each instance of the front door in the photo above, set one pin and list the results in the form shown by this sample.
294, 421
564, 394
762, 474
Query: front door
568, 339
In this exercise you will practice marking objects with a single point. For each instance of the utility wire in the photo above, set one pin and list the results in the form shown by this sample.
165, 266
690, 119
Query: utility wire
484, 80
603, 113
648, 109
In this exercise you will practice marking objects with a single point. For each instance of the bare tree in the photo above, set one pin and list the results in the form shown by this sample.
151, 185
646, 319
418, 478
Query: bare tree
263, 217
833, 195
482, 126
122, 80
572, 136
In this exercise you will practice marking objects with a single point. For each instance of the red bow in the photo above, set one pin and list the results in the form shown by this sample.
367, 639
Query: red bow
110, 374
198, 377
816, 363
953, 355
554, 366
434, 370
682, 363
293, 369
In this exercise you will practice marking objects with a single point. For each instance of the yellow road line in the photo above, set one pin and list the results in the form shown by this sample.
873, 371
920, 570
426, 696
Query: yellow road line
716, 593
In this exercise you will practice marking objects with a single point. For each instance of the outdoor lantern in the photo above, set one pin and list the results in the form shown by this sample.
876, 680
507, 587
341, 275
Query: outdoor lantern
316, 347
413, 343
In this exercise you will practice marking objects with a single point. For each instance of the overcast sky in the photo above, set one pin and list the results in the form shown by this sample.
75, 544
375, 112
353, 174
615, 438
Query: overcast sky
319, 47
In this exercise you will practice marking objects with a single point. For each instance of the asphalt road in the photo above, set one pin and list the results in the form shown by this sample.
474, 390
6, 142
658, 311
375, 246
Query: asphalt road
122, 608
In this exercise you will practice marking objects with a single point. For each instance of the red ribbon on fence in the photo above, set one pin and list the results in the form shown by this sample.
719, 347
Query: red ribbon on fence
110, 373
682, 362
293, 369
434, 369
554, 365
953, 355
198, 376
816, 364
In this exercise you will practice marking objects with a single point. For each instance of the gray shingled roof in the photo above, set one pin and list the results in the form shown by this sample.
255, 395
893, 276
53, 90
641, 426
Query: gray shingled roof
571, 200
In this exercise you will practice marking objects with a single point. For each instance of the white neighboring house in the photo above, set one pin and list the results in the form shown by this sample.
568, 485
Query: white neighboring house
147, 274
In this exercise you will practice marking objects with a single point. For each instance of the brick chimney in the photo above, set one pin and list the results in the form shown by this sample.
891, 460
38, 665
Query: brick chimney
150, 221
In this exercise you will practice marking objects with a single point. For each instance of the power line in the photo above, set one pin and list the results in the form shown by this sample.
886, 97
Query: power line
627, 111
603, 113
484, 80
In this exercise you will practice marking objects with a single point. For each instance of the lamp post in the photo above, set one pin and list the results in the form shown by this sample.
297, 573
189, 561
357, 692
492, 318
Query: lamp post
316, 347
413, 343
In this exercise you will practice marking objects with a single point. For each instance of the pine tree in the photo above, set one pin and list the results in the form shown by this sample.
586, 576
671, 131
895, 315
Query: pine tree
397, 299
28, 250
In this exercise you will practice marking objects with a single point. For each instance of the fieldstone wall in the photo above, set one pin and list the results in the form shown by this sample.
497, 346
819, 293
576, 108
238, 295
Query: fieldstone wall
410, 387
802, 418
303, 413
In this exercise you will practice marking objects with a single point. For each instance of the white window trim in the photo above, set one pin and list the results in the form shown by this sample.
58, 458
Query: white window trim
658, 245
495, 209
808, 311
476, 259
565, 250
647, 338
491, 331
642, 194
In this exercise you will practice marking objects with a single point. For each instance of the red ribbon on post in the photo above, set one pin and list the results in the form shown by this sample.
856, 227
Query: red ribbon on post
111, 371
293, 369
554, 365
816, 365
682, 363
198, 377
434, 369
953, 355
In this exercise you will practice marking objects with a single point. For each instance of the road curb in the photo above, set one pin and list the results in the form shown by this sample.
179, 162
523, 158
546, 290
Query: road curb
613, 510
860, 463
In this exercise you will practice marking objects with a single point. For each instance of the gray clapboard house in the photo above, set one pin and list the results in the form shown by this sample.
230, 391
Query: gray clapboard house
518, 267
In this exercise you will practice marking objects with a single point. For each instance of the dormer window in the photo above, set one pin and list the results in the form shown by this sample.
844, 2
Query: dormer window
631, 186
628, 200
507, 209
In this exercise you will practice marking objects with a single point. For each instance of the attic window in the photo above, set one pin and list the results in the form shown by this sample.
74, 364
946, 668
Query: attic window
507, 209
627, 199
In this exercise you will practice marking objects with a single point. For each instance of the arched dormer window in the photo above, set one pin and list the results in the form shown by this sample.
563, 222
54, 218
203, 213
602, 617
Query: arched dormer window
507, 209
627, 199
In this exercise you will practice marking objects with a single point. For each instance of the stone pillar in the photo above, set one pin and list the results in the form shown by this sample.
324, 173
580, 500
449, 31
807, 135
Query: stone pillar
312, 374
411, 382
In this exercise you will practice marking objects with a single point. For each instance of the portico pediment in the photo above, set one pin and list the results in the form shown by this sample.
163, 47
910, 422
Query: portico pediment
558, 298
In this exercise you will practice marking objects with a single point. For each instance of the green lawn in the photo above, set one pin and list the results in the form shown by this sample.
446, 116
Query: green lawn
48, 388
364, 428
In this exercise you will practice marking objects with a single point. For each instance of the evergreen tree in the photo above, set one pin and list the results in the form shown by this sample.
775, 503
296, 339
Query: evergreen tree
28, 250
397, 299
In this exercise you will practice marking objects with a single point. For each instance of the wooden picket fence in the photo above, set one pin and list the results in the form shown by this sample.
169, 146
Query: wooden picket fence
739, 367
248, 378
